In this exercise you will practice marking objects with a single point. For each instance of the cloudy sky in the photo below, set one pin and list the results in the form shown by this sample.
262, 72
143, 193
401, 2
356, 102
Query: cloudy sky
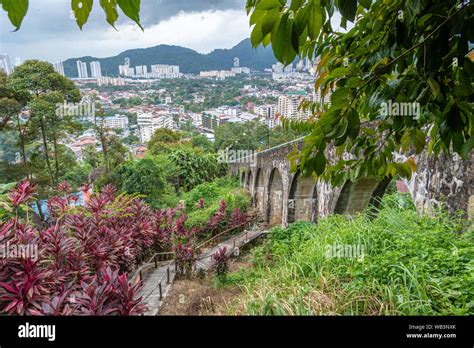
49, 33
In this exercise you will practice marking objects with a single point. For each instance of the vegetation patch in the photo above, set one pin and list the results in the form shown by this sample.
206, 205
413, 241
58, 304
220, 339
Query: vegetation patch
204, 200
208, 295
399, 263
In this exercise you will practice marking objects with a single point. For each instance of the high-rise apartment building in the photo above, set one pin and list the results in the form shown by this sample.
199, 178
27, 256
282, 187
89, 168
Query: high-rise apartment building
165, 71
149, 123
288, 106
267, 111
59, 67
278, 67
126, 70
82, 70
5, 64
141, 71
115, 122
96, 70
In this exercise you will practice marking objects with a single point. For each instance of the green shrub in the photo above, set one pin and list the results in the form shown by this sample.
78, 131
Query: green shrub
200, 217
5, 210
207, 191
213, 193
147, 177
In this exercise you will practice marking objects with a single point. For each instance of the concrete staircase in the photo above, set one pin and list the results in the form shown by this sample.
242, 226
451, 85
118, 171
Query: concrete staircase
158, 280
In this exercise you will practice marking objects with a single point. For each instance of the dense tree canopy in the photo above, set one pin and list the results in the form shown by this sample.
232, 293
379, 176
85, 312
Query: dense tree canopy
38, 131
9, 105
164, 135
398, 53
145, 177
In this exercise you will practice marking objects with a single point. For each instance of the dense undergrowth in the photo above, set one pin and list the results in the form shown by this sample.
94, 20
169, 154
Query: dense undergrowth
204, 200
401, 264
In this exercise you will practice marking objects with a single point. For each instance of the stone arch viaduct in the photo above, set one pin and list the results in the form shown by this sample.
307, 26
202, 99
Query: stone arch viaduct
281, 197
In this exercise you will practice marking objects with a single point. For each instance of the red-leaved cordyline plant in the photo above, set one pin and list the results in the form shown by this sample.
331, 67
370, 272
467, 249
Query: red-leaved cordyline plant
185, 258
110, 294
218, 220
108, 191
85, 252
200, 203
80, 250
184, 246
64, 187
238, 218
58, 206
59, 305
221, 259
27, 288
163, 231
21, 194
62, 304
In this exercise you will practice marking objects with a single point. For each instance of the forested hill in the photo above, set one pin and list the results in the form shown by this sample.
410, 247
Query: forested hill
189, 60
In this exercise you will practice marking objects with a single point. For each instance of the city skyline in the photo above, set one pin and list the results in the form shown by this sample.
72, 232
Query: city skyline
197, 25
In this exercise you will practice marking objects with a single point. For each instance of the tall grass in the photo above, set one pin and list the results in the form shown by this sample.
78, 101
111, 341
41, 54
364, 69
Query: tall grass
412, 265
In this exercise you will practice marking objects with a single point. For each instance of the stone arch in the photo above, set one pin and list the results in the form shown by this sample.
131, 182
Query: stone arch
242, 179
274, 209
343, 199
444, 179
248, 180
302, 199
355, 196
259, 189
376, 199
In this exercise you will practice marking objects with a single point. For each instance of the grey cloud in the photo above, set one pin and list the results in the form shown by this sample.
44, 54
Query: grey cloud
49, 20
154, 11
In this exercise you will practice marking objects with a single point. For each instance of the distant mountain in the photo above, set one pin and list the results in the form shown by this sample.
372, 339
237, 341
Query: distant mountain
188, 60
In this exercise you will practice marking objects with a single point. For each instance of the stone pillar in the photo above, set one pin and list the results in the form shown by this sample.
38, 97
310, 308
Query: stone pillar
443, 180
286, 181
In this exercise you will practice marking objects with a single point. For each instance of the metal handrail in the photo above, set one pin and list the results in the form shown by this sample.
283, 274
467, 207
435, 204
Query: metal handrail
139, 273
159, 282
199, 246
228, 251
167, 274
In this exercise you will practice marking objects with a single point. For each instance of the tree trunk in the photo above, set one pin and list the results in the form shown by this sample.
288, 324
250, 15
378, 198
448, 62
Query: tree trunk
103, 142
46, 155
56, 155
23, 148
40, 212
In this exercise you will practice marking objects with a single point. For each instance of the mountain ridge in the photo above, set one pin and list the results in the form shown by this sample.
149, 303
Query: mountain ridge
189, 60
